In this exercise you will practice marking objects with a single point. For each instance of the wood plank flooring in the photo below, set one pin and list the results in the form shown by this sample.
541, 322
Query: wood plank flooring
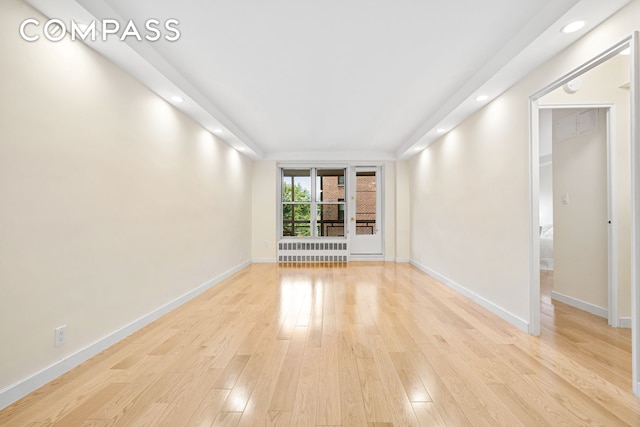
361, 344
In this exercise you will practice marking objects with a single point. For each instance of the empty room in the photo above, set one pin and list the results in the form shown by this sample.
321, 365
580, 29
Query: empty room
338, 213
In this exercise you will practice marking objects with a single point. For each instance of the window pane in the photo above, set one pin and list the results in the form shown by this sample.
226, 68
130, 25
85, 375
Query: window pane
329, 185
296, 220
330, 220
365, 203
324, 198
296, 185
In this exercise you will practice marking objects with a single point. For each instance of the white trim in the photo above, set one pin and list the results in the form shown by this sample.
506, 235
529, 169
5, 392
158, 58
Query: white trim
264, 260
365, 257
402, 260
534, 218
16, 391
499, 311
546, 160
612, 227
624, 322
635, 213
579, 304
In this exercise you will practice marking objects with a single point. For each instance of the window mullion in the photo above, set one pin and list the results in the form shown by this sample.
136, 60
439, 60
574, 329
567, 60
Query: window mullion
293, 216
314, 219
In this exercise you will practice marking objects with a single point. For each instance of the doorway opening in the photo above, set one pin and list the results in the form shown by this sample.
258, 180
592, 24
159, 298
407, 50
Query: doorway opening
365, 225
578, 242
630, 43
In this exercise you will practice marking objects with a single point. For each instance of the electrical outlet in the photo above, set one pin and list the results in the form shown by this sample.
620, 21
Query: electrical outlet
60, 335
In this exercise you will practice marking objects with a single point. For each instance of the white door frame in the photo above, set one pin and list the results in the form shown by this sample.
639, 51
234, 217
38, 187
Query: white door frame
379, 236
534, 196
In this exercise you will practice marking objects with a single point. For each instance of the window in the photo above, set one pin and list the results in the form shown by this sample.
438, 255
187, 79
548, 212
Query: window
313, 202
366, 194
296, 202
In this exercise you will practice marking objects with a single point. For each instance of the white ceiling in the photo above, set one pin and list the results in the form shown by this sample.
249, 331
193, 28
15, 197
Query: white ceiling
336, 79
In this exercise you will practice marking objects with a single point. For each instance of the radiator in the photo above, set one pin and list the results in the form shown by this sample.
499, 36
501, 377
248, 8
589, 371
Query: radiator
313, 251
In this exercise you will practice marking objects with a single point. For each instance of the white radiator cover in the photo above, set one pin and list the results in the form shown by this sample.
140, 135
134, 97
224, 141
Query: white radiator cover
313, 251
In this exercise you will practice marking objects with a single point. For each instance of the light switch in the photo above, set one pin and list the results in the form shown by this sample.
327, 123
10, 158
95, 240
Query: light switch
565, 198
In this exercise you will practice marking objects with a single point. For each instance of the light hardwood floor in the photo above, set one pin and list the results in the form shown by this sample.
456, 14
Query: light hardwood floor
363, 344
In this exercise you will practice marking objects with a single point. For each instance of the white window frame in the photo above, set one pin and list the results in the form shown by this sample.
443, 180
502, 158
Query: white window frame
314, 203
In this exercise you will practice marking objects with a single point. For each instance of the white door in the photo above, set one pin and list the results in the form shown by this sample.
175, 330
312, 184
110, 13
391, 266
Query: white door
365, 225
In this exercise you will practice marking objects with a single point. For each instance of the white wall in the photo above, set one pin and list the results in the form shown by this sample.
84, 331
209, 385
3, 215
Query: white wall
469, 190
389, 210
113, 202
264, 211
580, 222
469, 207
403, 212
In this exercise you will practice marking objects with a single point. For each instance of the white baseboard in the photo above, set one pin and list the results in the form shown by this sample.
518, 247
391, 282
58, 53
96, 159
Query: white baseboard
397, 260
579, 304
15, 392
367, 258
264, 260
499, 311
624, 322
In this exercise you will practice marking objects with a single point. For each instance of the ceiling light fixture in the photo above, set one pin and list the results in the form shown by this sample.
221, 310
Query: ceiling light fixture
217, 131
481, 98
441, 130
177, 99
573, 86
572, 27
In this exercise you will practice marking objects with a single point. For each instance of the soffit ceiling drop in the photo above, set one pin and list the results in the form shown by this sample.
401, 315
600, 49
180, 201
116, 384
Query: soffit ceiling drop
356, 79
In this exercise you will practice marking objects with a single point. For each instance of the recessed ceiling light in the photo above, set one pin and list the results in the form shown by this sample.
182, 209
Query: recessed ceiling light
241, 148
176, 98
441, 130
573, 27
417, 149
217, 131
481, 98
